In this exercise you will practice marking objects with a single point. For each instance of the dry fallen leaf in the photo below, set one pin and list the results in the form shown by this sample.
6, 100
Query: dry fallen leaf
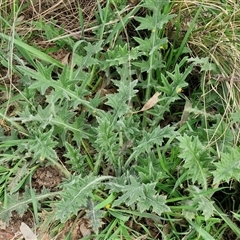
2, 224
85, 231
185, 113
66, 59
27, 232
151, 102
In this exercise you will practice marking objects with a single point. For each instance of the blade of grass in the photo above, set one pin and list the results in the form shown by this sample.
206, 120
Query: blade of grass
29, 49
228, 221
121, 24
18, 204
35, 205
15, 124
201, 231
186, 37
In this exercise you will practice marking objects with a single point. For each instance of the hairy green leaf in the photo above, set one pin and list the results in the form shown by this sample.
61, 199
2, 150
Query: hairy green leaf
155, 4
196, 159
135, 192
157, 136
153, 22
201, 201
75, 195
95, 216
228, 167
19, 203
154, 202
42, 146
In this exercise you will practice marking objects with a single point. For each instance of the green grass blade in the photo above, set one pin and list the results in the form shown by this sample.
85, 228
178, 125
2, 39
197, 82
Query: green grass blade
228, 221
201, 231
35, 52
186, 37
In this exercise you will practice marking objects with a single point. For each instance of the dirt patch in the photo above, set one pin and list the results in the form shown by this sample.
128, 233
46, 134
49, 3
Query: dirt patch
12, 231
78, 229
48, 177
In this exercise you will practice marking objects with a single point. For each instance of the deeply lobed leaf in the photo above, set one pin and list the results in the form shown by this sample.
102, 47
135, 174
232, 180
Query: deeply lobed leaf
228, 167
196, 159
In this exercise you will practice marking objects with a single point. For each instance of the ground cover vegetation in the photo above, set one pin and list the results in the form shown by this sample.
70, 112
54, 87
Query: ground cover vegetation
119, 119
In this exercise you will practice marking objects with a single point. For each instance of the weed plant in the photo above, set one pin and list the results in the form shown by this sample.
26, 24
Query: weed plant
135, 139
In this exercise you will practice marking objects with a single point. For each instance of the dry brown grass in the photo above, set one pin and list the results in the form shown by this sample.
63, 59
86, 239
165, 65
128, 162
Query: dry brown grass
63, 14
215, 33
